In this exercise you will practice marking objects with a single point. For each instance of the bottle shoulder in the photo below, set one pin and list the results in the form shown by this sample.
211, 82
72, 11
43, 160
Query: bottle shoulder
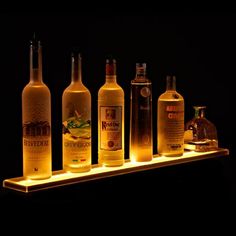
76, 88
141, 81
111, 88
36, 88
171, 95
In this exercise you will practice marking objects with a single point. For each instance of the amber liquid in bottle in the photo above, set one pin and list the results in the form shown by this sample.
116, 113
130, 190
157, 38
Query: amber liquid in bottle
170, 121
76, 116
141, 148
36, 121
111, 119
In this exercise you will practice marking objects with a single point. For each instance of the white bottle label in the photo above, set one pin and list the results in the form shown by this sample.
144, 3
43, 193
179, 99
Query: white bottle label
111, 128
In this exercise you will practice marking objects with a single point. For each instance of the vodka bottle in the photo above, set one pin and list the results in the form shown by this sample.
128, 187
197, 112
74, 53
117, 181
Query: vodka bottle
170, 124
141, 148
36, 120
76, 116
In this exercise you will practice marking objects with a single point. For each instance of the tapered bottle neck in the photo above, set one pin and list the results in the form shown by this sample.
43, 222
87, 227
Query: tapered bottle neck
35, 61
110, 71
170, 83
76, 68
199, 111
140, 71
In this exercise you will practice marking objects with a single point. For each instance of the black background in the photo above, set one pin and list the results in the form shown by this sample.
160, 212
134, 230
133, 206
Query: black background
197, 47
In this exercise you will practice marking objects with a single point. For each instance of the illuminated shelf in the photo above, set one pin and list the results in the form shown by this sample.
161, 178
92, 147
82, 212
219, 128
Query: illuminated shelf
60, 178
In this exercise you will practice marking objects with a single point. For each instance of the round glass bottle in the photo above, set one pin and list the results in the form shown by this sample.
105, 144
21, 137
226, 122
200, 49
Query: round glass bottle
200, 133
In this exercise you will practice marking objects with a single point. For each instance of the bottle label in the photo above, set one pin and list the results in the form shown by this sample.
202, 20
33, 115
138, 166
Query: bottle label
36, 147
76, 141
111, 128
36, 138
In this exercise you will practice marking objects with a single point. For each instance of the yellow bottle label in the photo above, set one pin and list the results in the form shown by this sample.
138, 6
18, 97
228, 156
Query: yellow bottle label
111, 128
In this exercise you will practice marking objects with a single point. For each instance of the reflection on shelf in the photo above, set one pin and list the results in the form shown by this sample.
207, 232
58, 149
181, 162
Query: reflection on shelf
60, 178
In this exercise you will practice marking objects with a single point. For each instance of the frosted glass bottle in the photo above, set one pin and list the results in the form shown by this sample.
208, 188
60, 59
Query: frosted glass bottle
141, 116
36, 120
76, 117
170, 121
111, 119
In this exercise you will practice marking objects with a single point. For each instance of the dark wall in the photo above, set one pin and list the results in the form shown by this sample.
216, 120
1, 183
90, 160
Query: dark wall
199, 48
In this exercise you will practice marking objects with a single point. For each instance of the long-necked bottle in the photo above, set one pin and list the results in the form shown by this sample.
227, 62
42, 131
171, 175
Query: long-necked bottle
141, 148
170, 124
111, 119
36, 120
76, 117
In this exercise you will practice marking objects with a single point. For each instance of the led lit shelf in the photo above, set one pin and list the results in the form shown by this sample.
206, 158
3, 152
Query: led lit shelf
60, 178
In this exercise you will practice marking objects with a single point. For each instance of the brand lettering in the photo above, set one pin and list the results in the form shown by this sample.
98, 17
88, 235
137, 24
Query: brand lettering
175, 115
36, 143
112, 125
77, 145
174, 108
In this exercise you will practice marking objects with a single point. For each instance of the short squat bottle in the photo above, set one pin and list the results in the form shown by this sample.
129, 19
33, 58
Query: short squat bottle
111, 119
141, 148
200, 133
76, 117
170, 121
36, 120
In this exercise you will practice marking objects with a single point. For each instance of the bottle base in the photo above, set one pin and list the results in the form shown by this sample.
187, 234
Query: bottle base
171, 154
70, 169
112, 163
37, 177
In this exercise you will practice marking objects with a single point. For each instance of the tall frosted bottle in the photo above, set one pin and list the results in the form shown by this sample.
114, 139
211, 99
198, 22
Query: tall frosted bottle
111, 119
170, 124
36, 120
76, 116
141, 148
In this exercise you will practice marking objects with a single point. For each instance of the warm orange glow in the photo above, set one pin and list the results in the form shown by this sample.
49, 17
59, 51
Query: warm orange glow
61, 177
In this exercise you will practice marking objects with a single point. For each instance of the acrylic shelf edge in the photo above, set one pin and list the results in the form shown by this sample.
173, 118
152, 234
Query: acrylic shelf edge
60, 178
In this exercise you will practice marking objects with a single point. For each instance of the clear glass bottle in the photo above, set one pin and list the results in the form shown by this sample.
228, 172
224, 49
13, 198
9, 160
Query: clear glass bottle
111, 119
200, 133
76, 117
36, 120
170, 124
141, 148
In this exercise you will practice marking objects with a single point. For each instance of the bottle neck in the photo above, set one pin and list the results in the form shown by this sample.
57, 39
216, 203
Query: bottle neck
76, 69
110, 71
35, 62
140, 71
170, 83
200, 112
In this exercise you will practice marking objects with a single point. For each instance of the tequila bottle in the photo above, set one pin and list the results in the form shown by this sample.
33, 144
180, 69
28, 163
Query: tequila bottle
141, 116
36, 120
76, 116
111, 119
170, 121
200, 133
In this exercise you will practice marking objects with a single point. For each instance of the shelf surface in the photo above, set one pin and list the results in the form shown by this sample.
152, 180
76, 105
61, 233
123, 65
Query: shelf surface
60, 177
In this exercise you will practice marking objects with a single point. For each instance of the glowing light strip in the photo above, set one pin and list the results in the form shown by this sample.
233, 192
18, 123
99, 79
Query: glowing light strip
60, 177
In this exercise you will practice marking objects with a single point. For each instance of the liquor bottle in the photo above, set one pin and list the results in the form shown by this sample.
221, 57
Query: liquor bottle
170, 124
111, 119
141, 148
36, 120
76, 117
200, 133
